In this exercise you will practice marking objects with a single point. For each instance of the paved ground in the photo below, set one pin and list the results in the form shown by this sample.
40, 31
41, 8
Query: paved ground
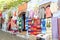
7, 36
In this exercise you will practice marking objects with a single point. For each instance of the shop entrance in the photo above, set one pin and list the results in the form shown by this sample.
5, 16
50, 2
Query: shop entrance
23, 16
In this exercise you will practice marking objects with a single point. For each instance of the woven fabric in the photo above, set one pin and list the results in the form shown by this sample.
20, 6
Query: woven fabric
59, 28
54, 28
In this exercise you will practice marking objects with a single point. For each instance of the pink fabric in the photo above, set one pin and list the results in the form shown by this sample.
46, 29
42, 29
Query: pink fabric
31, 14
48, 12
13, 23
0, 14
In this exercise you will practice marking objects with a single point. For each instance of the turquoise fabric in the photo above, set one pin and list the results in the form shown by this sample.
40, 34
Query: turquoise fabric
20, 23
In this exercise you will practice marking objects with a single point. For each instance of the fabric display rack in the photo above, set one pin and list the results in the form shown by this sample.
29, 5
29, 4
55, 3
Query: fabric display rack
56, 28
33, 26
38, 22
43, 26
37, 26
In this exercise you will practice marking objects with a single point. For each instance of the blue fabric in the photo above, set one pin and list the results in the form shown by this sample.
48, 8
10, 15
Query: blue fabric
26, 23
43, 27
43, 22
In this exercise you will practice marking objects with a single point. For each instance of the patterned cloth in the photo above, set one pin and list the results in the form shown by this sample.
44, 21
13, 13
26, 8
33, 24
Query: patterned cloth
13, 25
54, 28
43, 26
20, 23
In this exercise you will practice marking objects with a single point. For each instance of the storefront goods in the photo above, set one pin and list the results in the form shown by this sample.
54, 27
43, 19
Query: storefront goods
41, 12
58, 28
43, 26
20, 23
54, 29
34, 27
31, 14
48, 22
48, 12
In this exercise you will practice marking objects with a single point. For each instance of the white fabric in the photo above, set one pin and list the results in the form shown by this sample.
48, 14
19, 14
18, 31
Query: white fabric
53, 7
57, 14
41, 12
4, 26
14, 18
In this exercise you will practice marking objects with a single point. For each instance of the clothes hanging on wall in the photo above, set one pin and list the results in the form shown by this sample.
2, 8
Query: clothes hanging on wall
58, 28
0, 15
31, 14
48, 12
27, 14
48, 22
34, 27
0, 20
43, 26
54, 29
41, 12
26, 23
20, 23
13, 24
56, 14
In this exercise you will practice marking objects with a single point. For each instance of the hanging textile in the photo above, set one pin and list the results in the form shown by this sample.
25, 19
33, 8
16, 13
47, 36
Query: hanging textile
48, 22
26, 23
43, 26
0, 23
58, 28
48, 12
31, 14
13, 24
54, 29
27, 14
20, 23
0, 14
56, 14
34, 26
41, 12
53, 7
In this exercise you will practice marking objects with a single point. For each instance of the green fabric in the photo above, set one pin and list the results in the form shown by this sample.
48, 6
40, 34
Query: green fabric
20, 23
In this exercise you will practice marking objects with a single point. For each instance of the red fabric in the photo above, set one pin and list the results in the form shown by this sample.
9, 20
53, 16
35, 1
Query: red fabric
0, 14
9, 26
35, 27
58, 28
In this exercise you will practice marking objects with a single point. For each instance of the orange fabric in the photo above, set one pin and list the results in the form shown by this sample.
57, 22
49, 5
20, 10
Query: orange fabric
48, 12
22, 7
